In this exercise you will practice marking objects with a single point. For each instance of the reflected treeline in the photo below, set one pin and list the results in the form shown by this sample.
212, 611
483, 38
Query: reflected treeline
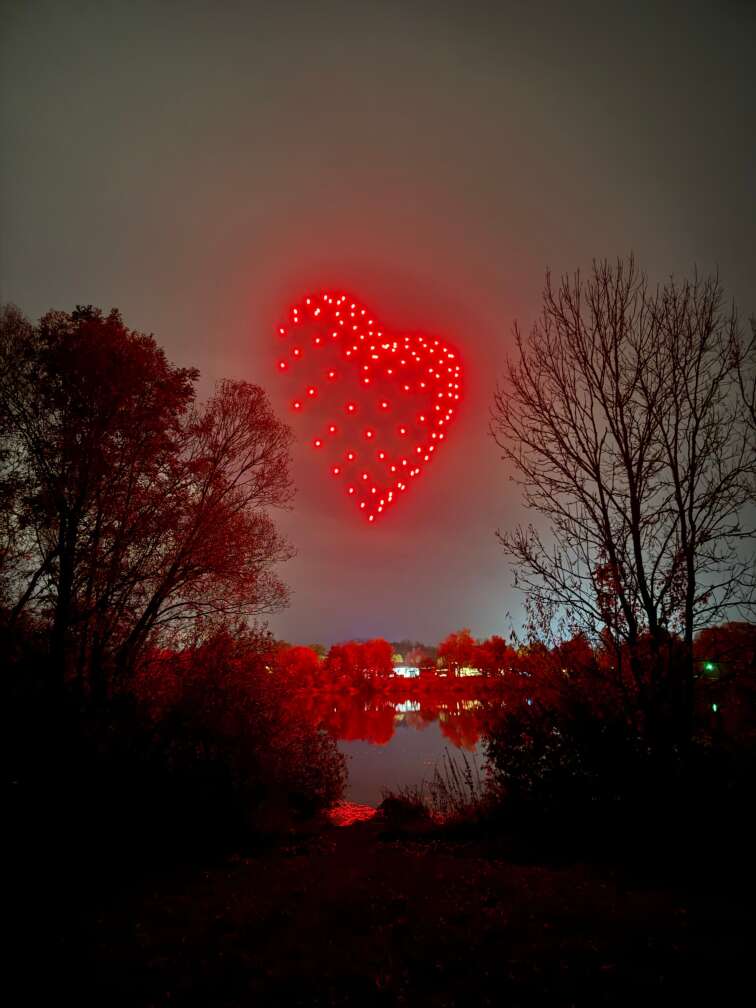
351, 717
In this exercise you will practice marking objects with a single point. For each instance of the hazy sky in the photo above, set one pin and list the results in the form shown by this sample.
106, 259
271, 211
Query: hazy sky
199, 165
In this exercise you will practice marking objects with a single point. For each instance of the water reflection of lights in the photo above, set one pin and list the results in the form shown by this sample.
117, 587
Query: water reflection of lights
374, 719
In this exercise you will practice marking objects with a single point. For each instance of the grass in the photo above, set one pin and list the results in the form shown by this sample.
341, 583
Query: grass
346, 917
455, 793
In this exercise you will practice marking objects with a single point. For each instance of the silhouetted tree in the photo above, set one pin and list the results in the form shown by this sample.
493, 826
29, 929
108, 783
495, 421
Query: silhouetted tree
130, 511
746, 365
625, 422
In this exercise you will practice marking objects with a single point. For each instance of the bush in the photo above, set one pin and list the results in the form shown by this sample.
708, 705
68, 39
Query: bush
203, 750
455, 794
221, 699
574, 752
554, 758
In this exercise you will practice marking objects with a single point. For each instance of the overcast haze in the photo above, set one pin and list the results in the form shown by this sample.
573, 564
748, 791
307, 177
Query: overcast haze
199, 165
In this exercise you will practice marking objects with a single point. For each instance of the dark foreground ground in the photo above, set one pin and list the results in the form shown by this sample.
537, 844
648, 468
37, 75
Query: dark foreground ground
366, 915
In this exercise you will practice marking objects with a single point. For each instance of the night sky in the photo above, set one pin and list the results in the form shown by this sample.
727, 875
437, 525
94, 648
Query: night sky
201, 165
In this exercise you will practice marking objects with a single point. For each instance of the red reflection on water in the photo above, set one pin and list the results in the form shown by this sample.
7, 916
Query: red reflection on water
346, 813
372, 724
352, 717
462, 727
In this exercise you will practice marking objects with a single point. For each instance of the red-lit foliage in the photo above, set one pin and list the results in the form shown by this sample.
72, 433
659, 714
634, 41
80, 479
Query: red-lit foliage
599, 732
726, 674
457, 650
299, 666
359, 662
493, 656
130, 511
381, 401
730, 647
219, 702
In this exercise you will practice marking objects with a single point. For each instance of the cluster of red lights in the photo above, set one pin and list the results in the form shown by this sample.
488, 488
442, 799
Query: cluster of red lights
402, 394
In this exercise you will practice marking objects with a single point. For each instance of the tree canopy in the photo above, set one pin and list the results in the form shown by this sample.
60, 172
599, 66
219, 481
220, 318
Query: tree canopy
131, 512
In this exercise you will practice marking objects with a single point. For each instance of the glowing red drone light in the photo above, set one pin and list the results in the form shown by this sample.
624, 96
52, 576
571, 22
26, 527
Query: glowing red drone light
376, 364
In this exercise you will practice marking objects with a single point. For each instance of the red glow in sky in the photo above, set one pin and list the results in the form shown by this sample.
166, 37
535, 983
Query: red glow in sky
393, 394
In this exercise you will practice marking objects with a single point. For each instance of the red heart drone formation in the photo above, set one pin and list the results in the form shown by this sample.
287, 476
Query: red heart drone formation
381, 402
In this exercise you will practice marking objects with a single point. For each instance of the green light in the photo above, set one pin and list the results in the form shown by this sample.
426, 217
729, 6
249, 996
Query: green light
709, 666
714, 707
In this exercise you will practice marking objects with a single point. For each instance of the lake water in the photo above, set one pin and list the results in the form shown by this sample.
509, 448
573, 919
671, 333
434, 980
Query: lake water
399, 744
